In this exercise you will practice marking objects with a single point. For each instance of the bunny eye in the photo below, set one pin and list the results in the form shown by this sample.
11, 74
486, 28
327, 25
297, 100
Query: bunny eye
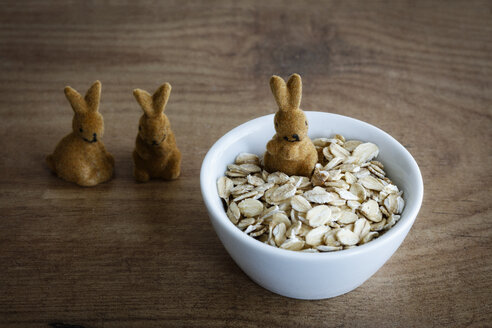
80, 129
139, 128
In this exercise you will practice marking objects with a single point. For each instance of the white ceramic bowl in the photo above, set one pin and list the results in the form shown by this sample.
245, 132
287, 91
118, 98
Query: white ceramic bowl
310, 275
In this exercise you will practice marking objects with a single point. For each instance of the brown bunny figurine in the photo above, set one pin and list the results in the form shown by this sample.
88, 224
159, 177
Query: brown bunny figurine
80, 157
290, 150
156, 154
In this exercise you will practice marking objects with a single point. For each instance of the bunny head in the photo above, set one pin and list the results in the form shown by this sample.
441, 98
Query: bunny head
290, 122
87, 122
154, 126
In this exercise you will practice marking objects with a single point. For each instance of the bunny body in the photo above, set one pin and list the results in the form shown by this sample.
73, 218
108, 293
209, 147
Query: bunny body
81, 157
298, 159
290, 150
156, 155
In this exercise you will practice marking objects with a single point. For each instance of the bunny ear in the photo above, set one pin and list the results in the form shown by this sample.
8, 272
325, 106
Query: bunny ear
145, 100
75, 99
294, 85
160, 98
279, 90
93, 96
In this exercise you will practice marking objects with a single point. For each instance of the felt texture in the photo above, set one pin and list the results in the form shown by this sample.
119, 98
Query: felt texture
81, 157
156, 155
290, 150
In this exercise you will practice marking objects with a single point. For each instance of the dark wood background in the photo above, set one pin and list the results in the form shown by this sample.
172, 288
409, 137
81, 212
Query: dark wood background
124, 254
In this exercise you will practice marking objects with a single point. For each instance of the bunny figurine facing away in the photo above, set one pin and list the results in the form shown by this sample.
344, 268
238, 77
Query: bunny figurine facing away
290, 150
156, 154
80, 157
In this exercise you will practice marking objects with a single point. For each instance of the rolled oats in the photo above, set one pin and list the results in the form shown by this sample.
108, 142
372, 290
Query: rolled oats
365, 152
233, 212
353, 204
224, 187
284, 192
250, 168
348, 201
371, 182
278, 178
369, 236
300, 204
370, 209
326, 248
347, 237
318, 195
241, 189
338, 151
245, 222
359, 226
332, 163
377, 171
280, 217
246, 195
246, 158
300, 182
293, 244
318, 215
350, 145
319, 176
330, 238
347, 195
279, 233
259, 232
267, 212
239, 181
315, 236
255, 180
250, 207
347, 217
321, 142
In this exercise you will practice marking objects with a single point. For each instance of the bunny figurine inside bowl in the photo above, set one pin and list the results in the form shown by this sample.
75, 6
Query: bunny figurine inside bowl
81, 157
290, 150
156, 154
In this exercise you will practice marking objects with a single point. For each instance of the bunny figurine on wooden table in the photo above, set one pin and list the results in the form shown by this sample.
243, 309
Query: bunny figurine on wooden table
290, 150
81, 157
156, 154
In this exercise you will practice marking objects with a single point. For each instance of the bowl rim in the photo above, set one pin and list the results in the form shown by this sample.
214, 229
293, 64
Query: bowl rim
218, 214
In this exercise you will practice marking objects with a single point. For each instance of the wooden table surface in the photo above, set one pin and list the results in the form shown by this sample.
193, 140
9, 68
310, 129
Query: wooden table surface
124, 254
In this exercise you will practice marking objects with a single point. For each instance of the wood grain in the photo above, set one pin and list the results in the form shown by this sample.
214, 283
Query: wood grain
144, 255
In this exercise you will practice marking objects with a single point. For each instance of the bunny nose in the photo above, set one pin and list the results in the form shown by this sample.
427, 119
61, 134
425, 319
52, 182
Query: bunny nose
295, 136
